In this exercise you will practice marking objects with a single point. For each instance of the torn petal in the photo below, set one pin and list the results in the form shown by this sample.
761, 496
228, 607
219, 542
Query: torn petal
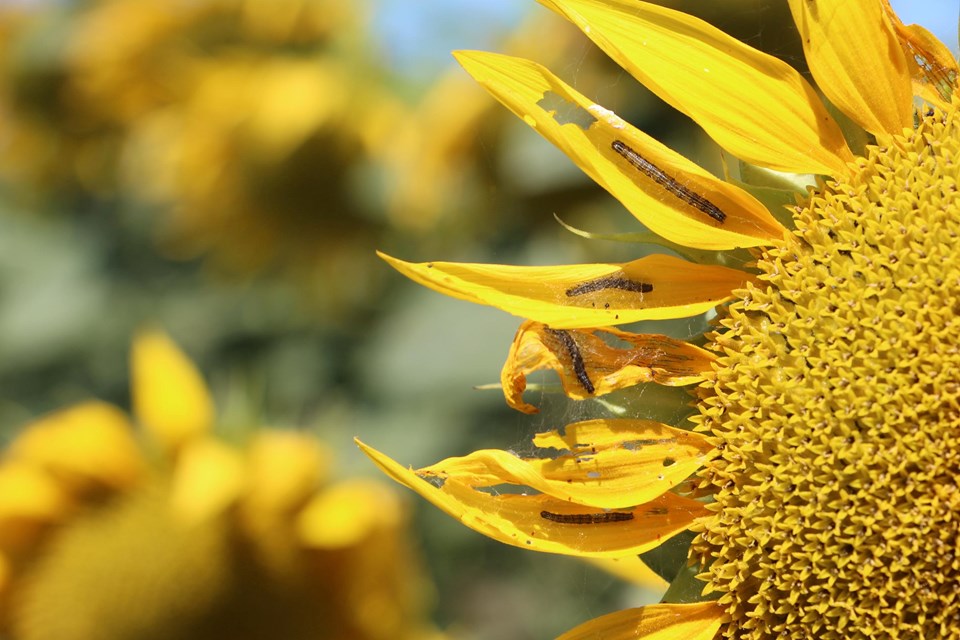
754, 105
669, 194
605, 463
656, 287
696, 621
589, 367
543, 523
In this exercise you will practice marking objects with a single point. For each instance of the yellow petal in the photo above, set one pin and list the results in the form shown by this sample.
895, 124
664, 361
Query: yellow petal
666, 192
589, 367
284, 469
605, 463
584, 295
754, 105
856, 59
27, 492
933, 67
30, 501
633, 570
543, 523
209, 478
170, 398
698, 621
89, 446
346, 513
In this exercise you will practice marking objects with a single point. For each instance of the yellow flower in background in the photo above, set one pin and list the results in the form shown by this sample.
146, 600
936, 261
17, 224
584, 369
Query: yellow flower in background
178, 534
233, 129
820, 471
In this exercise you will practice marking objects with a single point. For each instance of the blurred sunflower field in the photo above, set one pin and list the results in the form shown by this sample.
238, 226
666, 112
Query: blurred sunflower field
194, 324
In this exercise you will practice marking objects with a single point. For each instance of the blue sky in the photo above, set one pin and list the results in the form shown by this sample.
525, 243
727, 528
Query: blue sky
939, 16
419, 35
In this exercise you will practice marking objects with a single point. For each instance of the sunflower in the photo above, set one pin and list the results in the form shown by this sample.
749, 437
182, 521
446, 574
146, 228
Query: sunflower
217, 124
818, 475
108, 536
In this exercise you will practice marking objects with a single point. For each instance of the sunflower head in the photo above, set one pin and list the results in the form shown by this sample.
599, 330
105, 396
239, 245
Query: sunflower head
834, 408
819, 471
174, 533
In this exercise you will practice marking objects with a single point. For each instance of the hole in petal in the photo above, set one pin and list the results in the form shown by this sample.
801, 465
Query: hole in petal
566, 112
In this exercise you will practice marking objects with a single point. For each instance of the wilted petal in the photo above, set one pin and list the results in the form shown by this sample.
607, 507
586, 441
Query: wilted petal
589, 367
544, 523
605, 463
665, 191
697, 621
934, 67
585, 295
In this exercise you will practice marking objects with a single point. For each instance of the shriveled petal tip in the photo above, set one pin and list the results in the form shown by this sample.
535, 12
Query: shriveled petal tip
754, 105
590, 367
857, 61
933, 66
585, 295
170, 398
935, 70
543, 523
671, 195
697, 621
605, 463
89, 446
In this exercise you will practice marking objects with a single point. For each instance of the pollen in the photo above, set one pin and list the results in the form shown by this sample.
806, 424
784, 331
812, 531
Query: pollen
834, 409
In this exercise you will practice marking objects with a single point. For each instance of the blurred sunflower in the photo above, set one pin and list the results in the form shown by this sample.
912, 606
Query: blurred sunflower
184, 536
234, 128
821, 473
